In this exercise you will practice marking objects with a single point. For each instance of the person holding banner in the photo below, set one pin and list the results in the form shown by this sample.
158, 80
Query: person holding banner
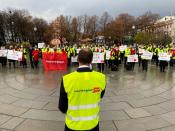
80, 94
163, 63
133, 52
35, 54
101, 65
10, 60
127, 52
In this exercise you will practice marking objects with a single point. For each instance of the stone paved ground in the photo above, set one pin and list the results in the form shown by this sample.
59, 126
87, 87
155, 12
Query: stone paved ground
134, 101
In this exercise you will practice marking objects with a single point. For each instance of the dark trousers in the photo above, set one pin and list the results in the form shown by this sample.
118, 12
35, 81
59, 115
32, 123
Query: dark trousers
157, 60
101, 67
36, 63
122, 56
125, 61
162, 66
24, 63
132, 65
145, 65
31, 61
12, 61
94, 129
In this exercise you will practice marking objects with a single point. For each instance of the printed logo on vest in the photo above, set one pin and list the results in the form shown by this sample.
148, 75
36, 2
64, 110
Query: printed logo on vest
96, 90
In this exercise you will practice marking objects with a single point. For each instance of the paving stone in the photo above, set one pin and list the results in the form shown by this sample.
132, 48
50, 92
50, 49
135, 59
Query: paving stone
51, 106
12, 123
122, 98
39, 92
155, 110
30, 104
48, 99
19, 94
147, 101
153, 92
167, 106
107, 125
113, 115
170, 117
171, 128
14, 84
137, 112
4, 118
168, 95
34, 125
8, 99
141, 124
12, 110
44, 115
115, 106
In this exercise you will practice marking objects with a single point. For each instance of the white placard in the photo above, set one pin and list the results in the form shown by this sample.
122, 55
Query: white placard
41, 45
164, 57
3, 53
147, 55
78, 50
74, 59
141, 51
122, 47
132, 58
98, 57
108, 55
14, 55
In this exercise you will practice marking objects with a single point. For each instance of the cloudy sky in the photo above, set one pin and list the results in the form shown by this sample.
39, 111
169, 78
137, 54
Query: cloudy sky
49, 9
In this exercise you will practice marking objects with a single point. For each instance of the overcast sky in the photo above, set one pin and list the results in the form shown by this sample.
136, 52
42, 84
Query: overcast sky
49, 9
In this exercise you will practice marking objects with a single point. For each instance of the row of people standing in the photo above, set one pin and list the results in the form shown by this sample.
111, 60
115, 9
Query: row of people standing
32, 53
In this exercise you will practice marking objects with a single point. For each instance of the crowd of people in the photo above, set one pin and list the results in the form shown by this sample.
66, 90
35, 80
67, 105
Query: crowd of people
116, 57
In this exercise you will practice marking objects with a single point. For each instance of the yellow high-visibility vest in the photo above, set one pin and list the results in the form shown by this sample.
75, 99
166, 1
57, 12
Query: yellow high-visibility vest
84, 94
127, 52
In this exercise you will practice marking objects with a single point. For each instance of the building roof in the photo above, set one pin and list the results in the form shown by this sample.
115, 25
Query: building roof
165, 19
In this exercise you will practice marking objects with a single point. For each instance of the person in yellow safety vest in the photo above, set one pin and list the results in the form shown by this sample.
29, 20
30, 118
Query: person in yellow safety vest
157, 57
127, 52
80, 94
69, 55
25, 58
163, 63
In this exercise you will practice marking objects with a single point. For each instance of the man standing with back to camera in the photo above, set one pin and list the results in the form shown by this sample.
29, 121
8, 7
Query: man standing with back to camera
80, 94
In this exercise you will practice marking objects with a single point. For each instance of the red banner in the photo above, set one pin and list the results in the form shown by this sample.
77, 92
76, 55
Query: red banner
54, 61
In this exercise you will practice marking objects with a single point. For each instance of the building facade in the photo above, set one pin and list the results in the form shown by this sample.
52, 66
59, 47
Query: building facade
166, 25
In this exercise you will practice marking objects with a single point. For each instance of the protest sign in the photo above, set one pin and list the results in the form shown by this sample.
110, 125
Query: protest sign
54, 61
41, 45
123, 47
141, 51
3, 53
164, 57
14, 55
108, 55
74, 59
78, 50
147, 55
132, 58
98, 57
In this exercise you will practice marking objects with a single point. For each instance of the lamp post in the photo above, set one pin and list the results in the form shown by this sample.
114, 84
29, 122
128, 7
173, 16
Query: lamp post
35, 30
133, 33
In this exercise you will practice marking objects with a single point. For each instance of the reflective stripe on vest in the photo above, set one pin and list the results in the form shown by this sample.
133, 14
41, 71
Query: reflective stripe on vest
90, 106
89, 118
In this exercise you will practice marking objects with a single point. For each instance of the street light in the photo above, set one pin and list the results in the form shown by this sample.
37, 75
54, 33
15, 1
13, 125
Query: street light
35, 30
133, 33
133, 27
